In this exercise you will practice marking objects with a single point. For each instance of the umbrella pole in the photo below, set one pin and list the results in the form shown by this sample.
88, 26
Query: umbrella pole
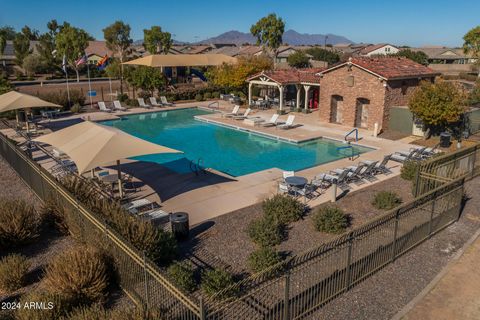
119, 173
16, 117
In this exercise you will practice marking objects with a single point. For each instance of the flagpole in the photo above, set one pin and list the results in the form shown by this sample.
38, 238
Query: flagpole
110, 83
68, 89
89, 85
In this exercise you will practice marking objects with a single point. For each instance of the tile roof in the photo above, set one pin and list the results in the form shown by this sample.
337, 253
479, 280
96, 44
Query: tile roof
390, 68
371, 48
291, 76
198, 49
249, 50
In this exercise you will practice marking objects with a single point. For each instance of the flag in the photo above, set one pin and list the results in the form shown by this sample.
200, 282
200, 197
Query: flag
64, 64
82, 60
102, 63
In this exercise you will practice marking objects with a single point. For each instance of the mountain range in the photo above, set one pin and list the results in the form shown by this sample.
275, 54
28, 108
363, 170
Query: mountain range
291, 37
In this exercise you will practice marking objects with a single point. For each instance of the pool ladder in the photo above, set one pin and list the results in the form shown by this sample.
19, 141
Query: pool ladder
355, 130
197, 167
353, 154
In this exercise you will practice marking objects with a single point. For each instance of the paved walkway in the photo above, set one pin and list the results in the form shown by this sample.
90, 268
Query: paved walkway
454, 294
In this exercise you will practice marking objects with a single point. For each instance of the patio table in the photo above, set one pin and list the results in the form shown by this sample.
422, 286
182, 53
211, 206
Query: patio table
296, 181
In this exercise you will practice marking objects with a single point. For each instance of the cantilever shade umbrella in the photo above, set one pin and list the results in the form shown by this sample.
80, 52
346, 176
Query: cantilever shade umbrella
91, 145
14, 100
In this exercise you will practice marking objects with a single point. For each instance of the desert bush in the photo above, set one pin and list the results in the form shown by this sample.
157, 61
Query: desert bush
55, 306
283, 208
263, 258
266, 231
76, 108
93, 312
98, 312
132, 102
330, 219
13, 271
182, 275
61, 97
122, 97
409, 170
217, 280
207, 95
53, 214
386, 200
19, 222
215, 94
199, 97
80, 275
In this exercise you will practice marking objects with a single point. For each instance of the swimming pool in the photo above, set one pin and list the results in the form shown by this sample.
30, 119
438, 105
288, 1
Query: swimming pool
228, 150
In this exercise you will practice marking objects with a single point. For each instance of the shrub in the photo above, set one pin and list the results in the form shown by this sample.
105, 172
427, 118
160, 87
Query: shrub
13, 271
52, 213
122, 97
409, 170
207, 95
132, 102
98, 312
263, 258
76, 108
19, 222
80, 275
59, 306
93, 312
61, 97
217, 280
330, 219
182, 276
199, 97
283, 208
386, 200
215, 94
266, 231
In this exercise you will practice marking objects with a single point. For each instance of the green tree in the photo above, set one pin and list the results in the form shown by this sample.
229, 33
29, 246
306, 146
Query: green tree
8, 32
298, 60
234, 75
5, 85
438, 105
269, 31
156, 41
21, 47
71, 42
321, 54
474, 96
31, 34
117, 36
417, 56
32, 64
146, 78
46, 47
471, 44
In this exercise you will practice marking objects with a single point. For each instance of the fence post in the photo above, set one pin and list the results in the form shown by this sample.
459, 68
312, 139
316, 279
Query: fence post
432, 211
203, 313
417, 180
395, 233
286, 299
474, 160
461, 200
146, 301
349, 260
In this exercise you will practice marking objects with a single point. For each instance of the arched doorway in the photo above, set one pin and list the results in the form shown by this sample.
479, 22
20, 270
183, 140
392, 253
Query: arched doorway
336, 107
361, 113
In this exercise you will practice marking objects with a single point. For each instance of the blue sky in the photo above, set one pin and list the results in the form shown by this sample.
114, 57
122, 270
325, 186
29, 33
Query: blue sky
414, 23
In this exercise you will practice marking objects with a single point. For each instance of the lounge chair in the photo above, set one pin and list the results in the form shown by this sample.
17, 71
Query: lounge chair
233, 113
380, 167
103, 107
413, 153
288, 124
272, 122
354, 173
325, 180
142, 103
133, 206
117, 105
164, 101
153, 102
244, 116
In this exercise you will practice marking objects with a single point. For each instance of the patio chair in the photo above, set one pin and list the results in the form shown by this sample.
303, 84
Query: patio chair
244, 116
288, 124
414, 153
325, 180
380, 167
284, 187
103, 107
142, 103
135, 204
233, 113
117, 105
354, 173
307, 192
165, 102
153, 102
272, 122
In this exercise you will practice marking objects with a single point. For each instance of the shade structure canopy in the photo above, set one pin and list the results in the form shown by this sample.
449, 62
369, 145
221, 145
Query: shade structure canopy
183, 60
14, 100
91, 145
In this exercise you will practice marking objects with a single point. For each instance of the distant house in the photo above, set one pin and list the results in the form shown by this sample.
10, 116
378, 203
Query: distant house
284, 52
8, 57
445, 55
250, 50
379, 49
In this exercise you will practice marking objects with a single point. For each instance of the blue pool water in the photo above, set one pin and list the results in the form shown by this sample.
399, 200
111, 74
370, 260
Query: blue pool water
227, 150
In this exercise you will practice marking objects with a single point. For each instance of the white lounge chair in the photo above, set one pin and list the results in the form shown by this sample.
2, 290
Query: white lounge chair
244, 116
288, 124
233, 113
272, 122
164, 101
135, 204
117, 105
153, 102
283, 187
142, 103
103, 107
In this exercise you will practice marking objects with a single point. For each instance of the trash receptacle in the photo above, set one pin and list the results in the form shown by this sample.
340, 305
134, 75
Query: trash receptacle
445, 138
180, 225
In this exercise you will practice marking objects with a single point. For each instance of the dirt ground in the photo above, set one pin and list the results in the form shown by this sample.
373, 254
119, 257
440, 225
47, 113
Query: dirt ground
223, 241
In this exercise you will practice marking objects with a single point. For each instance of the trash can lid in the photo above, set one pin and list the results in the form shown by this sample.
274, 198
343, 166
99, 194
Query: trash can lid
445, 134
179, 217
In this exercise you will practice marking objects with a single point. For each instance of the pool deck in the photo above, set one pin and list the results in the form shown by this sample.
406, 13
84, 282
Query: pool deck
209, 195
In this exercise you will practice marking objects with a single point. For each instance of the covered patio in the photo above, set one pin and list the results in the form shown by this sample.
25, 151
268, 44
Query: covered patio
284, 81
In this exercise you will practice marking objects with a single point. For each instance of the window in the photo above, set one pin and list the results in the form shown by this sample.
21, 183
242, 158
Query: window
350, 81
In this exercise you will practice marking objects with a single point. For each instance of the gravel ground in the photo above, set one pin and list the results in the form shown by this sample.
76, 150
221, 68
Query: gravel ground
384, 294
223, 241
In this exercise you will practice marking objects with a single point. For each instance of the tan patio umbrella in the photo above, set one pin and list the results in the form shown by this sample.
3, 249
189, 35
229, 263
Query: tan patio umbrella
182, 60
14, 100
91, 145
